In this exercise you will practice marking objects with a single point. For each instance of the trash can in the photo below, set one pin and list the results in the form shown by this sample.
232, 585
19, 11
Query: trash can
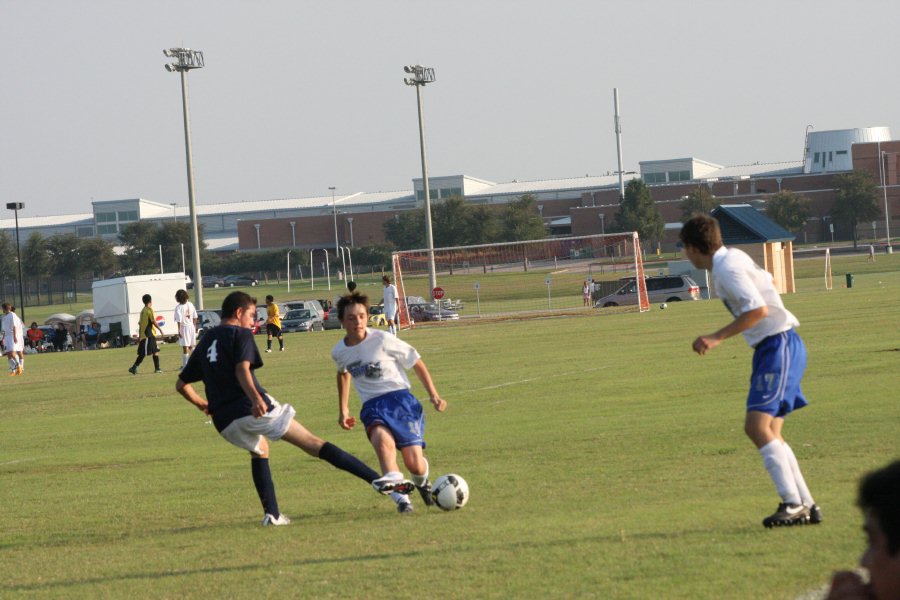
849, 280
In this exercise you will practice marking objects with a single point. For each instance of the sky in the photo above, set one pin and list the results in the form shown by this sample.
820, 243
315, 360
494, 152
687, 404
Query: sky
297, 96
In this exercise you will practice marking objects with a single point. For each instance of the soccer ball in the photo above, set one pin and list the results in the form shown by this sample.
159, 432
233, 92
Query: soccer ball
663, 306
450, 492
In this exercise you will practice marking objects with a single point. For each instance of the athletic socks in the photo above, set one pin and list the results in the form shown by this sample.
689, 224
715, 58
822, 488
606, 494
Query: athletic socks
399, 498
184, 360
419, 480
156, 362
798, 476
347, 462
265, 488
777, 464
138, 361
269, 344
281, 343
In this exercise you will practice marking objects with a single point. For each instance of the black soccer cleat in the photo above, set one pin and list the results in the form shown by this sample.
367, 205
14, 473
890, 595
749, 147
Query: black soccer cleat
425, 492
132, 370
787, 515
815, 514
405, 508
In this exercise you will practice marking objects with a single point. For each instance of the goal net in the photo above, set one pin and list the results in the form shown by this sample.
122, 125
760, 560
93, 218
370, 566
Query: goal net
528, 278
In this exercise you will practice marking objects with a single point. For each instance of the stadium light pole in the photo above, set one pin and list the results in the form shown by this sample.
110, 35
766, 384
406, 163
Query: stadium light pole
16, 207
350, 221
334, 214
174, 214
887, 219
293, 234
185, 60
419, 77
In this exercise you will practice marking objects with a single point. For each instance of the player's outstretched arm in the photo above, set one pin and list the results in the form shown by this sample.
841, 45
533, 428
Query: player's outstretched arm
189, 394
425, 377
745, 321
343, 387
242, 374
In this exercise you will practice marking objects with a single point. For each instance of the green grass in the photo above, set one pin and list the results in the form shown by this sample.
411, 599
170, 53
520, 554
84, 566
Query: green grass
604, 458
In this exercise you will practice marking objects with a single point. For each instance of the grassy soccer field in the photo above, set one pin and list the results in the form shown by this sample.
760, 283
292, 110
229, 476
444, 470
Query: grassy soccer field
604, 459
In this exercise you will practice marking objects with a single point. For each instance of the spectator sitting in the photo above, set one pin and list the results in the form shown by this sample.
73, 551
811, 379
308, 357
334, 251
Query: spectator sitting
35, 337
60, 338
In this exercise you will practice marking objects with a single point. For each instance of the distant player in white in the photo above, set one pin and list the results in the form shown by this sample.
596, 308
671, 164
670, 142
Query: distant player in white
391, 305
20, 333
779, 360
186, 318
10, 341
376, 363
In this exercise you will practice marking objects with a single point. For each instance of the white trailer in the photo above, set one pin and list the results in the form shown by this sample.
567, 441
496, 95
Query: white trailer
118, 304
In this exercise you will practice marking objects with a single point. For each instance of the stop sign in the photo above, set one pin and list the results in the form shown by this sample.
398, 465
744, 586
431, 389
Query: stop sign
437, 293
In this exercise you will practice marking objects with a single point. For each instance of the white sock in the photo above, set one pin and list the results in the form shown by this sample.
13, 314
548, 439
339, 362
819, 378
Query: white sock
776, 462
420, 480
798, 476
184, 359
399, 498
391, 329
13, 364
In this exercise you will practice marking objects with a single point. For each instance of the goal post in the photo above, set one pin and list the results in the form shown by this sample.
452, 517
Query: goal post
526, 278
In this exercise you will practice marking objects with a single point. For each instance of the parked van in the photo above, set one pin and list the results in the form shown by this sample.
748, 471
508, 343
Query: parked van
665, 288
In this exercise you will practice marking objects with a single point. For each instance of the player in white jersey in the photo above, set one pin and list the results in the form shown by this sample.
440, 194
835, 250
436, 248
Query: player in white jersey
779, 359
186, 319
376, 362
391, 304
12, 338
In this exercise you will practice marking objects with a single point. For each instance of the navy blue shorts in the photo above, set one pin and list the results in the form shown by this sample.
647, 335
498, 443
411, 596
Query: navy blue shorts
401, 413
778, 365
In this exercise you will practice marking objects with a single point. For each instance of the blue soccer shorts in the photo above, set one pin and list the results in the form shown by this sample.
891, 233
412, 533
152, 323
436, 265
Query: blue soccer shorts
401, 413
778, 365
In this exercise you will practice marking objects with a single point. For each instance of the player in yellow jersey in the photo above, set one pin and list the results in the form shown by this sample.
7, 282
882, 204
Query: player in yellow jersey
273, 324
147, 342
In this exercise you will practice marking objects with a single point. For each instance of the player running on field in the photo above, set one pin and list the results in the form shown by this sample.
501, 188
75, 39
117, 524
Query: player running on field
245, 415
377, 361
779, 359
273, 324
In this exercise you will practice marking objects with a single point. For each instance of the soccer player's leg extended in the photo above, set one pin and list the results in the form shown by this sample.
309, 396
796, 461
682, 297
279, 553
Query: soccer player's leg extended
300, 436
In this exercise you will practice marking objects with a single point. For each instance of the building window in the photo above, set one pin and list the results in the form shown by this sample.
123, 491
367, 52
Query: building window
816, 158
679, 175
106, 229
106, 217
830, 157
840, 152
654, 177
446, 193
456, 192
85, 231
128, 215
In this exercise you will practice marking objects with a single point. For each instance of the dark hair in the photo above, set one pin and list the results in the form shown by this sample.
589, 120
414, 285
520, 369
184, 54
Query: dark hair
386, 278
146, 299
5, 306
702, 232
234, 301
349, 300
270, 298
34, 323
351, 286
879, 492
181, 296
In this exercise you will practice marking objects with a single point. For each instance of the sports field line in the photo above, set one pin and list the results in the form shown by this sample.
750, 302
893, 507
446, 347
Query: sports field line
521, 381
21, 460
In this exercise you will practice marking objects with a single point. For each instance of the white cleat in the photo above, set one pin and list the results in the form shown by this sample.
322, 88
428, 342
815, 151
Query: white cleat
279, 520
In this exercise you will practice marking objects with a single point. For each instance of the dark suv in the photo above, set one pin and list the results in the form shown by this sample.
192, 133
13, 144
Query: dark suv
665, 288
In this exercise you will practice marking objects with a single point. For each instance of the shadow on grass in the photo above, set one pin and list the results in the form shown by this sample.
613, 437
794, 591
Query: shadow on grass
620, 537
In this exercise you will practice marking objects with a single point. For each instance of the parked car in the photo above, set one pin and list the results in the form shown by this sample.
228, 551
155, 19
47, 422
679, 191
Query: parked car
239, 281
331, 320
431, 312
377, 317
301, 319
313, 306
665, 288
213, 281
207, 319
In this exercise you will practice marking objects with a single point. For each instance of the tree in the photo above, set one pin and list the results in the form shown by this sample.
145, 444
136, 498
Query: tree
99, 258
35, 260
788, 209
449, 222
856, 200
142, 240
406, 230
521, 220
638, 213
700, 200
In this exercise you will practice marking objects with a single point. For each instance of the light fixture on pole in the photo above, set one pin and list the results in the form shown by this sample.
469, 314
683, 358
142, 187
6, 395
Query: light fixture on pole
174, 214
16, 207
602, 223
334, 213
293, 234
419, 77
258, 243
185, 60
350, 221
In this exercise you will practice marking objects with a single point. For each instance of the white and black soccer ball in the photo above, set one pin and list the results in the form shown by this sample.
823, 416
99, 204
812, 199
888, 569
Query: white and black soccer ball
663, 306
450, 492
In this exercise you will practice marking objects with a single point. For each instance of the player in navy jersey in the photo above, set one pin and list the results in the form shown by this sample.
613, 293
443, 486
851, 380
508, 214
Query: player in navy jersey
779, 360
245, 415
376, 362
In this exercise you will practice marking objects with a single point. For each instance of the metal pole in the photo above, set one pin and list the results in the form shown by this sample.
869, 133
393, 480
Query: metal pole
182, 259
19, 258
327, 269
344, 263
334, 214
312, 271
350, 220
289, 270
161, 270
619, 144
350, 259
195, 240
429, 238
887, 220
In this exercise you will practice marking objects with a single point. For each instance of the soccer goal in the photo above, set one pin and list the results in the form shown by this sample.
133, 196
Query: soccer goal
523, 279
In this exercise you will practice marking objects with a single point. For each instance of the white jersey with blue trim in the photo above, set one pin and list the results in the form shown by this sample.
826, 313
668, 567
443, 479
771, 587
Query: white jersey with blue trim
744, 286
377, 364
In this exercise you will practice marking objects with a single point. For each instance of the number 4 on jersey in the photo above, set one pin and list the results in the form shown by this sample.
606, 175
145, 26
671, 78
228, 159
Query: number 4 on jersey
212, 354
